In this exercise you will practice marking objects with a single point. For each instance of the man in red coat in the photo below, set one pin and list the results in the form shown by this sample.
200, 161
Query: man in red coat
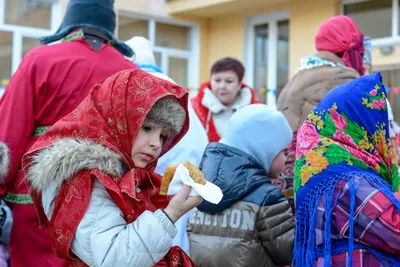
50, 82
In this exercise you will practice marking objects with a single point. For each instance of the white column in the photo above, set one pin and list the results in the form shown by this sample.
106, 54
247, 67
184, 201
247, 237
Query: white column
249, 52
55, 18
193, 64
16, 51
164, 62
2, 11
395, 19
152, 32
272, 63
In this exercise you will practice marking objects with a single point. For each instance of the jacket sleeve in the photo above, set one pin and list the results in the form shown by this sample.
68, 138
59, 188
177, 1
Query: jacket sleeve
17, 107
275, 224
104, 238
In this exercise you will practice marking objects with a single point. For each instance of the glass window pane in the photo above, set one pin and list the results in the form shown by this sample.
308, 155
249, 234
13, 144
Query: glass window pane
394, 95
157, 56
172, 36
5, 58
261, 43
29, 13
28, 44
177, 70
129, 27
367, 14
283, 55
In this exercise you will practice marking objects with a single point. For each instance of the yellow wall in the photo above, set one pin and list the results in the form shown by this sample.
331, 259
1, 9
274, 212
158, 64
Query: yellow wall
383, 62
222, 36
305, 19
227, 37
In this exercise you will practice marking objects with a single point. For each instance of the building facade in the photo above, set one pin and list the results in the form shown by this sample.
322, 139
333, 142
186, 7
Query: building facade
269, 36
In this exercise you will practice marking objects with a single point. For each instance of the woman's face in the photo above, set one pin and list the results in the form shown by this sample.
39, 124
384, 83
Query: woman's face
226, 86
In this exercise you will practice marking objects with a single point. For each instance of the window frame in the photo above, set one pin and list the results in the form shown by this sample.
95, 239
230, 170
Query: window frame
394, 39
192, 55
272, 19
19, 32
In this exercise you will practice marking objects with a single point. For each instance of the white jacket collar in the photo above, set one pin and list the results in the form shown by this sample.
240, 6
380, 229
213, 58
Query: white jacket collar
211, 101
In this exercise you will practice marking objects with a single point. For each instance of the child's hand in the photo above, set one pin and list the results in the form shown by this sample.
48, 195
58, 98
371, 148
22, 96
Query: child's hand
181, 203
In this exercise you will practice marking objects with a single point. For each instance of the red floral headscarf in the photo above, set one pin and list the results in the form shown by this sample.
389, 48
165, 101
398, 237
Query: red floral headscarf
340, 35
111, 115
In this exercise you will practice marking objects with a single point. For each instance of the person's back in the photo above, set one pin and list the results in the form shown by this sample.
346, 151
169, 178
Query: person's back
237, 231
50, 82
56, 78
339, 59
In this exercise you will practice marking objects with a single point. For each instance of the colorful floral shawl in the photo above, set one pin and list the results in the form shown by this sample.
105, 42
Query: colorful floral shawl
347, 134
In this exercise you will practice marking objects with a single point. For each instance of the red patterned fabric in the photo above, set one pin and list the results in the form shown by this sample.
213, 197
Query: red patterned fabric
340, 34
203, 112
111, 115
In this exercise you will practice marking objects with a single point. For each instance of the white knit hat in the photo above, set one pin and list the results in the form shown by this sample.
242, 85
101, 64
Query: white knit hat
143, 50
144, 58
259, 131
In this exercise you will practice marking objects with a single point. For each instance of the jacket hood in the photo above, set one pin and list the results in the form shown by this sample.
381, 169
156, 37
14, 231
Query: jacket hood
234, 171
65, 158
4, 161
259, 131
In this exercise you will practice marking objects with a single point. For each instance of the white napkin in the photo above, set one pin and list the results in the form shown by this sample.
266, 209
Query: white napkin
209, 191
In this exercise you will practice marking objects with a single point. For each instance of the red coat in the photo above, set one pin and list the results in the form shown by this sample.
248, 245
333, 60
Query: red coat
50, 82
203, 112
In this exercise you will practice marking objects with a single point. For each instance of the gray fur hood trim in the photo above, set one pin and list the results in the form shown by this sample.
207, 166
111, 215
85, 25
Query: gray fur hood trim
4, 161
65, 158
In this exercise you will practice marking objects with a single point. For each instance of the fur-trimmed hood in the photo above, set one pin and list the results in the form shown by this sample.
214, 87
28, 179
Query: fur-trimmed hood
4, 160
65, 158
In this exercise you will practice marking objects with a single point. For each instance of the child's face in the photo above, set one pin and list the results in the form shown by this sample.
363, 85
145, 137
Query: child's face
148, 145
277, 165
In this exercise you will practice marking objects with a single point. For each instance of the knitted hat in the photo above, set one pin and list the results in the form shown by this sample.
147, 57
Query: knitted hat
341, 35
259, 131
89, 13
143, 50
169, 114
144, 57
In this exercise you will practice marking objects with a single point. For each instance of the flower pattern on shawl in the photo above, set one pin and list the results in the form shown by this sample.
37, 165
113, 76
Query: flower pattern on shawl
330, 136
307, 138
375, 100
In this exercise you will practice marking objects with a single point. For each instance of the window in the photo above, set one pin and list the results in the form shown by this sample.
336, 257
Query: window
267, 56
22, 22
5, 55
176, 45
29, 13
391, 80
367, 13
129, 27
